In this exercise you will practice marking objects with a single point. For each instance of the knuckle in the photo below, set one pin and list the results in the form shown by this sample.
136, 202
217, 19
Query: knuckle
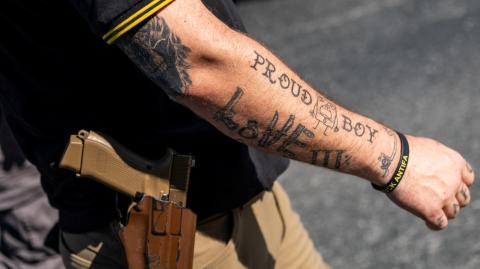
455, 158
444, 196
458, 157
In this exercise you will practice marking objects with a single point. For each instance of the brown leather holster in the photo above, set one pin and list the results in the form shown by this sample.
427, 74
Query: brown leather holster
158, 235
159, 231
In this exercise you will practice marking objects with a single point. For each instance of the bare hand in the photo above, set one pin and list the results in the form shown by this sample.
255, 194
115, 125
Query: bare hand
436, 183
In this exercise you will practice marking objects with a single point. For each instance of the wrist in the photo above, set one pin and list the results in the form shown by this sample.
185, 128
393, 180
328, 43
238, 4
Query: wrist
386, 158
377, 162
396, 170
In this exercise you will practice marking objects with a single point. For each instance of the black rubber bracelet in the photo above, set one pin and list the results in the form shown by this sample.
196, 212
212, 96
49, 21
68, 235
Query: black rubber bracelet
401, 167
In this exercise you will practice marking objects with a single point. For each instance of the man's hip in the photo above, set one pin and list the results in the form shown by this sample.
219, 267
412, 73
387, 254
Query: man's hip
265, 233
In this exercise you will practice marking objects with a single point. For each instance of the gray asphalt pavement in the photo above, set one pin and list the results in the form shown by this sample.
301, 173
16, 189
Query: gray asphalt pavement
412, 64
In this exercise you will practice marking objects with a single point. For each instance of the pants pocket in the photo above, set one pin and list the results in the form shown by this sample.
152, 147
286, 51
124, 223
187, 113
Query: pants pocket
214, 246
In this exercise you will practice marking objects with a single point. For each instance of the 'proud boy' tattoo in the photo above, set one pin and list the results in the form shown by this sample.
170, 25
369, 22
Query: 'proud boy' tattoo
324, 112
270, 72
161, 55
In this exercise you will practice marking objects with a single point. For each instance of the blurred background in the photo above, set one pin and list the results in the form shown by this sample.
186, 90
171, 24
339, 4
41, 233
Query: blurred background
412, 64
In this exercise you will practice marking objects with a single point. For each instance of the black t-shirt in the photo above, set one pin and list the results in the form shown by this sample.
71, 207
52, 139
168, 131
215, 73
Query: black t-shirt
57, 76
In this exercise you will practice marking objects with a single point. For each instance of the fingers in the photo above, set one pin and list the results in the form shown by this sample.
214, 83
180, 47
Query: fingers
437, 223
463, 196
462, 199
468, 174
451, 209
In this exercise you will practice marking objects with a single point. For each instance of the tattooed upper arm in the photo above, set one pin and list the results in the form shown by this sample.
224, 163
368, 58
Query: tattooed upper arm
161, 55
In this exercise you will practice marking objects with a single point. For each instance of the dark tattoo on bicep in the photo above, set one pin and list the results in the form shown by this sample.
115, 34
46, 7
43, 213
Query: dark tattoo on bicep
161, 55
386, 160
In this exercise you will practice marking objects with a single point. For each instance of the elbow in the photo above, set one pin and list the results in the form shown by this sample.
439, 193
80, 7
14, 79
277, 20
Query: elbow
215, 66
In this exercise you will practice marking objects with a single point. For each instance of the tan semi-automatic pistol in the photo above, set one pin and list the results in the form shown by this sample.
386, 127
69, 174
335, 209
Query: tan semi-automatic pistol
160, 230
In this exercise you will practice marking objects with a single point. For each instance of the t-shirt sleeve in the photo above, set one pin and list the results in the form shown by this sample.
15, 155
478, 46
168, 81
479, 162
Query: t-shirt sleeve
113, 18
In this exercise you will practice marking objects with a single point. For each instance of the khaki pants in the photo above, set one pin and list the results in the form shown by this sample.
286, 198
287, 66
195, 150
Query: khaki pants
266, 233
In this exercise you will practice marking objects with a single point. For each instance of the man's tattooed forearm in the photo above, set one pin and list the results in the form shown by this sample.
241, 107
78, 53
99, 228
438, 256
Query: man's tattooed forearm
161, 55
358, 128
278, 135
272, 134
333, 159
386, 160
323, 111
226, 114
293, 139
284, 135
270, 72
250, 131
